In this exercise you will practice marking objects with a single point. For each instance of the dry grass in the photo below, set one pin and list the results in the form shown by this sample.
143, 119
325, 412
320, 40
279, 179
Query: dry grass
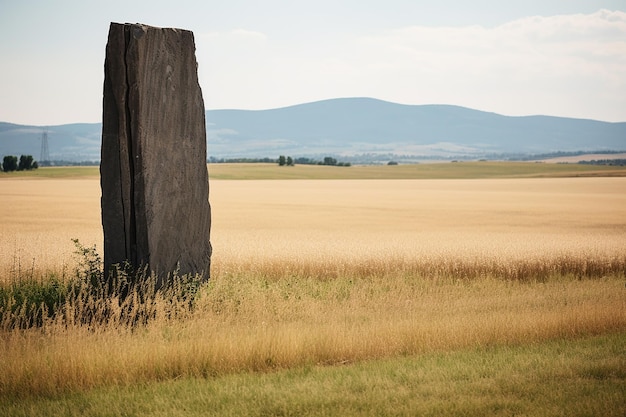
329, 272
248, 324
337, 226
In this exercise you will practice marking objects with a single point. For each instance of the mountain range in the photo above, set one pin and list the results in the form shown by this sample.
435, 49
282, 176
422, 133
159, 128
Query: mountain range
355, 129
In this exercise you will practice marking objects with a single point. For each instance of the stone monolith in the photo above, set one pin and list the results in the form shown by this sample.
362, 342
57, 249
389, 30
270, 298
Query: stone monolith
154, 179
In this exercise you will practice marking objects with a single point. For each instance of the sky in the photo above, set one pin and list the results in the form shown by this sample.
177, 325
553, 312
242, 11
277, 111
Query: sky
516, 57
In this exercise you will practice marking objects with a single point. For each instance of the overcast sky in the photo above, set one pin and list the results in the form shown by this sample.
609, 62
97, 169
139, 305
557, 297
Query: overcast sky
553, 57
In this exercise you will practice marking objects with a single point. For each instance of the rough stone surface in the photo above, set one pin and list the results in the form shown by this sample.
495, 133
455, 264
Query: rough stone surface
154, 179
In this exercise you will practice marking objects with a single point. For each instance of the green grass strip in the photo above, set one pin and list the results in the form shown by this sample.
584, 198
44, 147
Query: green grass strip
55, 172
583, 377
457, 170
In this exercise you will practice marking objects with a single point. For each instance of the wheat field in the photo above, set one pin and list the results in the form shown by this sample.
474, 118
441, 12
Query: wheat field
337, 223
343, 224
332, 272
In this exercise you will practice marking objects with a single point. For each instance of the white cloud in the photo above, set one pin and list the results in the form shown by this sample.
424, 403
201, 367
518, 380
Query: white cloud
570, 65
548, 65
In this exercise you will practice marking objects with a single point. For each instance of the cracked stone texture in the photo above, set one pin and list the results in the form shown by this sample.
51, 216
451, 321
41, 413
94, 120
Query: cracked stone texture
154, 179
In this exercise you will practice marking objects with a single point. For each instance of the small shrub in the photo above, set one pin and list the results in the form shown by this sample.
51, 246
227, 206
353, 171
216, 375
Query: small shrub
9, 163
89, 267
27, 303
127, 298
26, 163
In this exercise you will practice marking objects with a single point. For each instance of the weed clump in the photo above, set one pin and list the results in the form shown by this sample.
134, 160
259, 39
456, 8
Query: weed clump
91, 298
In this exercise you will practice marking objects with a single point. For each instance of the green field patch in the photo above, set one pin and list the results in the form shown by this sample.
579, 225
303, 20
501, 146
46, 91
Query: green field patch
580, 377
447, 170
452, 170
55, 172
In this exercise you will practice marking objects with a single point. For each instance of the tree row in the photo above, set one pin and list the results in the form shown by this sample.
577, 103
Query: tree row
25, 163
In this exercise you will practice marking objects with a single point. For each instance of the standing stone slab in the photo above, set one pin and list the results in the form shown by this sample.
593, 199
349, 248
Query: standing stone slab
154, 179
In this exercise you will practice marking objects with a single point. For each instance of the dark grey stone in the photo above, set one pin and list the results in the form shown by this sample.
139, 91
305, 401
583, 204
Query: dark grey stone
154, 179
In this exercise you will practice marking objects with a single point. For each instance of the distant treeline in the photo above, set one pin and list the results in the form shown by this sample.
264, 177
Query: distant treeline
11, 163
214, 160
612, 162
384, 158
328, 160
532, 157
64, 163
281, 160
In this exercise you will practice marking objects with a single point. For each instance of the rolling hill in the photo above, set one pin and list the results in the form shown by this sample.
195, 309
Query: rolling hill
350, 127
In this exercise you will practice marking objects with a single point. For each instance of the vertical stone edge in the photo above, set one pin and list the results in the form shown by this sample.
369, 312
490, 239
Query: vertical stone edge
134, 78
114, 168
205, 250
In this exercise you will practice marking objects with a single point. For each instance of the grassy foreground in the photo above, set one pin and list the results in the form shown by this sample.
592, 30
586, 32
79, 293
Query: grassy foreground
455, 297
251, 322
584, 377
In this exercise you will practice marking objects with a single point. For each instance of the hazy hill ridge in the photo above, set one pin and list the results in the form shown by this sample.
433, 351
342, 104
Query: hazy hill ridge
352, 126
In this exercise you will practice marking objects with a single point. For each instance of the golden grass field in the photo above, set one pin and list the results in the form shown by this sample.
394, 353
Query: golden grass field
333, 272
335, 223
